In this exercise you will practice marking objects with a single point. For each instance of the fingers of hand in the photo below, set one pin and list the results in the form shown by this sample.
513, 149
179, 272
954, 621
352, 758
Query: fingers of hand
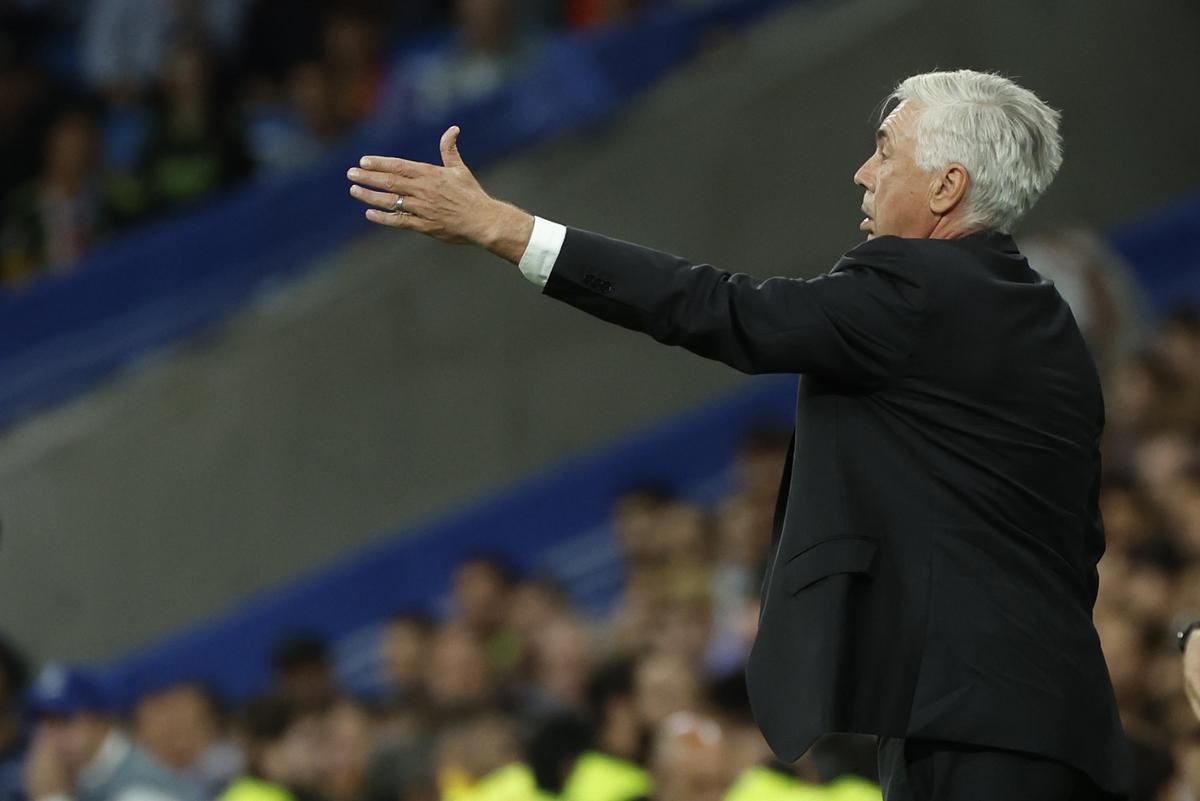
403, 167
383, 200
404, 220
449, 147
387, 181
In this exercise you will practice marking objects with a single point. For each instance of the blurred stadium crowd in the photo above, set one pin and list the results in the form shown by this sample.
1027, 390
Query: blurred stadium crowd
113, 112
518, 694
1150, 575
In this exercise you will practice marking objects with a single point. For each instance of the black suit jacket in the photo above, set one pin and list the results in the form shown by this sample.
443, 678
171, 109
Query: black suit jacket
933, 569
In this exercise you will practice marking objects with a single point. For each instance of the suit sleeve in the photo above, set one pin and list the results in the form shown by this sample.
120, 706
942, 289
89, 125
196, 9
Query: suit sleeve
856, 322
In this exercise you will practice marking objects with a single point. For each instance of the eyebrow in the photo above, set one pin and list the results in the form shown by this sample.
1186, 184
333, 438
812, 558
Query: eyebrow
881, 134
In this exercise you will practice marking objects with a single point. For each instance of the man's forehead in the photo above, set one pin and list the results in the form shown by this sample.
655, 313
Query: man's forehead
900, 120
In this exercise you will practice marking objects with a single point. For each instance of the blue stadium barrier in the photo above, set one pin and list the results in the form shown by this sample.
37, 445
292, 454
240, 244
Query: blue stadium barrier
1164, 249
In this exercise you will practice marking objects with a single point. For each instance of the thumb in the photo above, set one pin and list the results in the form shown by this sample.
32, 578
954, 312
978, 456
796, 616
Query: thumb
449, 145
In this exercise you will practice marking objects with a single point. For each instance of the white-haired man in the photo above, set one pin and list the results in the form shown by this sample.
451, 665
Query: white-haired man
933, 569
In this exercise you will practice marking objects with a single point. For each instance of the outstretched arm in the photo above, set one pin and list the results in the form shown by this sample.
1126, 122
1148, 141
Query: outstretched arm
856, 322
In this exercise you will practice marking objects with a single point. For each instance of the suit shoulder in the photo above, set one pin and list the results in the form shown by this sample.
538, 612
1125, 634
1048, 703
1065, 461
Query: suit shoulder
893, 255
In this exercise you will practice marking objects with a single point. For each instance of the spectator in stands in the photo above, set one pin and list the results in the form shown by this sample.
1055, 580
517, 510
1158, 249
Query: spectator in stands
1181, 506
610, 768
325, 78
126, 44
690, 759
561, 655
303, 671
479, 758
1131, 522
353, 61
685, 622
613, 709
29, 97
195, 146
553, 751
743, 523
312, 94
635, 517
759, 463
183, 725
403, 649
400, 765
281, 749
665, 683
14, 676
79, 752
458, 672
403, 771
54, 219
537, 602
1141, 382
1178, 343
685, 533
291, 133
482, 592
638, 517
1151, 440
350, 731
265, 57
750, 759
635, 622
490, 48
743, 537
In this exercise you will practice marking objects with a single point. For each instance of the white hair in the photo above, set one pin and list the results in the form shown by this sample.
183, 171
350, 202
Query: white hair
1004, 135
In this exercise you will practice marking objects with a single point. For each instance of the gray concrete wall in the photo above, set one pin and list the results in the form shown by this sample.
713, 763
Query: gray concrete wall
403, 378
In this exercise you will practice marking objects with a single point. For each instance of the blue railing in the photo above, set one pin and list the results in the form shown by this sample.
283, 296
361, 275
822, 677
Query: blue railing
1164, 249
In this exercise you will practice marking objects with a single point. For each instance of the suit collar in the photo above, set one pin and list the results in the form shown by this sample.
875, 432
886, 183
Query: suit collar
989, 240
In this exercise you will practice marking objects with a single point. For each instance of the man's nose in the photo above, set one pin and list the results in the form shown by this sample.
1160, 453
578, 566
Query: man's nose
865, 176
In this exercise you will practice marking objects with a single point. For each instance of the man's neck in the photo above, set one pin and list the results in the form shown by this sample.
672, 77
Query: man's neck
952, 226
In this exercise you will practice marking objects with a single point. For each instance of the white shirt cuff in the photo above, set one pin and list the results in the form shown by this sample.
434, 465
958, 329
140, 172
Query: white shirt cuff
542, 251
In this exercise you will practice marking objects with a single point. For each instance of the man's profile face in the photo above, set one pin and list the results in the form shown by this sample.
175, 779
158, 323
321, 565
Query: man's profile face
897, 195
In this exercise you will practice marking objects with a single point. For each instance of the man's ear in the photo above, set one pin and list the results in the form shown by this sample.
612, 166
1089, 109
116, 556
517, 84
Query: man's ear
949, 189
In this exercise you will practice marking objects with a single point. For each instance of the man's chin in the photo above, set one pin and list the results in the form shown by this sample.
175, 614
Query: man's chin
870, 235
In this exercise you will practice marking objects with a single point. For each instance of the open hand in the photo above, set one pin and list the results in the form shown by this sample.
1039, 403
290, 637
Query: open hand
444, 202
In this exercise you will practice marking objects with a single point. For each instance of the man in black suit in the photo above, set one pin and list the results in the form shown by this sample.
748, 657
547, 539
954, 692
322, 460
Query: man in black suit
933, 567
